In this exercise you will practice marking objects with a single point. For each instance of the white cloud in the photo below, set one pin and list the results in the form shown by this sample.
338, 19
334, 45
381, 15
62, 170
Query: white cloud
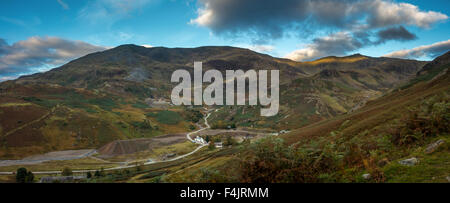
385, 13
36, 52
147, 46
109, 11
259, 48
63, 4
5, 78
432, 50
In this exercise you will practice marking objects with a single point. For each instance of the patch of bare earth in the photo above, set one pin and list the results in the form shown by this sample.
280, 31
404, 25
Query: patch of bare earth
122, 147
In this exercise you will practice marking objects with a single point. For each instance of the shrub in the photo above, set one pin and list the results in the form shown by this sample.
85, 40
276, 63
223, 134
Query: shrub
271, 161
24, 176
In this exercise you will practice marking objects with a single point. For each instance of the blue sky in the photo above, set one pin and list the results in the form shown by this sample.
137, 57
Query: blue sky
39, 35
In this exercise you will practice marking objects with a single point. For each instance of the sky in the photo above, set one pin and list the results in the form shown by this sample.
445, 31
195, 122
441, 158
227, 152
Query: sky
36, 36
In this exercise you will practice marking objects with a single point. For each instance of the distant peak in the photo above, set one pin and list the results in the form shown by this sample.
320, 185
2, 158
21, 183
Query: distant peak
341, 59
357, 55
127, 45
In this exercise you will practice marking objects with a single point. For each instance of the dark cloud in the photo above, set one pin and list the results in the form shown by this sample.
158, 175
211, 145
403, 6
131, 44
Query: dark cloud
395, 33
272, 19
431, 51
352, 22
265, 18
336, 44
342, 43
36, 52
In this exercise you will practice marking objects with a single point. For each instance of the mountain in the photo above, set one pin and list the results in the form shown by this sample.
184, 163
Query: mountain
402, 136
110, 95
331, 86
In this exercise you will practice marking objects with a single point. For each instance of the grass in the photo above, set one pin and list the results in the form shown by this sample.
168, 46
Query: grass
140, 105
426, 77
168, 117
15, 104
434, 167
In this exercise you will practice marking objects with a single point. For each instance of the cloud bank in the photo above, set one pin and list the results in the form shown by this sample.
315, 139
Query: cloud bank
35, 52
395, 33
432, 51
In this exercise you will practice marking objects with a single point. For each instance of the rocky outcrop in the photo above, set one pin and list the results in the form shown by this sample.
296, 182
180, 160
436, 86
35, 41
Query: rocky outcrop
409, 162
434, 146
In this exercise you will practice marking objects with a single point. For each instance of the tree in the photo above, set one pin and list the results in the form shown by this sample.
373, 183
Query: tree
30, 177
24, 176
97, 173
229, 141
21, 175
67, 172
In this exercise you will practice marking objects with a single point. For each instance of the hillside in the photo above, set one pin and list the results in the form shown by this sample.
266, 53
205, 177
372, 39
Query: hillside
402, 136
331, 86
110, 95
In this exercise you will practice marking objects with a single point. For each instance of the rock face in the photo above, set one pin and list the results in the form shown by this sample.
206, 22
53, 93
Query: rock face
409, 162
433, 146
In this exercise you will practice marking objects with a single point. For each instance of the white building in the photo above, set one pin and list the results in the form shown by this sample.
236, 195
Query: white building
218, 144
199, 140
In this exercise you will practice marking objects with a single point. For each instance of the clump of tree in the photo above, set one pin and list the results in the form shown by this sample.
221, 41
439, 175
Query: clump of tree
24, 176
192, 115
99, 173
229, 141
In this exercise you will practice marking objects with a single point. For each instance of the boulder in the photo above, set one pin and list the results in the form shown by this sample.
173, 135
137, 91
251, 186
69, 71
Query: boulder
366, 176
409, 162
433, 146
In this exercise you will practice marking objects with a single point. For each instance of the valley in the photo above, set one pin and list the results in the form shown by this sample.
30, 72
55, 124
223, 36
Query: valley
339, 117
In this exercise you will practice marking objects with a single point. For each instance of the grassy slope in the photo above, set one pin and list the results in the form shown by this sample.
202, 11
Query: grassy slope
371, 140
371, 130
39, 119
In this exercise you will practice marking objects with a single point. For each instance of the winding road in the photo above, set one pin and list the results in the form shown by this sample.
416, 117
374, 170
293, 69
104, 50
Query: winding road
188, 136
